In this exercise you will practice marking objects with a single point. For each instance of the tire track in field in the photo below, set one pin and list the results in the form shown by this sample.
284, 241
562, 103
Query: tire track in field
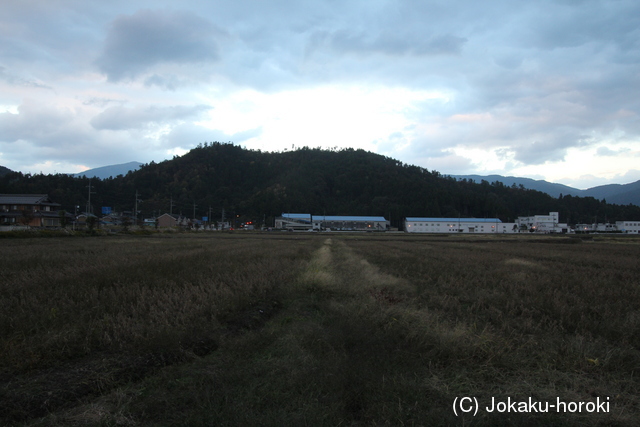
337, 270
352, 320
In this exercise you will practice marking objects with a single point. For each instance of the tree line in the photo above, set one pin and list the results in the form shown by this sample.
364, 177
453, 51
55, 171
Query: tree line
255, 185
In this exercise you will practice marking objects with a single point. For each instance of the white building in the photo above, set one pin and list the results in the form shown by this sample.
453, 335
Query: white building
628, 226
298, 221
543, 223
350, 223
293, 221
458, 225
604, 228
584, 228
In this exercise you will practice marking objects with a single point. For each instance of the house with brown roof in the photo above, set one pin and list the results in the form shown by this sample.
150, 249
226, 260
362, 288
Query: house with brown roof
31, 210
172, 220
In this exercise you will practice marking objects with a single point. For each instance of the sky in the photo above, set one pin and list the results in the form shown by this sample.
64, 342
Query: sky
546, 89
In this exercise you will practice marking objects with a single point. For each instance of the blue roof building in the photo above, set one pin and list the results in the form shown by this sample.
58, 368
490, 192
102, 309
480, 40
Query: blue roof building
299, 221
347, 218
297, 217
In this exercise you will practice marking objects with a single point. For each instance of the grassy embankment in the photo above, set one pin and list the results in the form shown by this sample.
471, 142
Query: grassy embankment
315, 330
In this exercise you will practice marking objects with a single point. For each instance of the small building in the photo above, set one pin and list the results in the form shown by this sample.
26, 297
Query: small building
458, 225
224, 225
111, 219
172, 220
149, 222
119, 218
84, 219
605, 228
293, 221
543, 224
583, 228
628, 227
32, 210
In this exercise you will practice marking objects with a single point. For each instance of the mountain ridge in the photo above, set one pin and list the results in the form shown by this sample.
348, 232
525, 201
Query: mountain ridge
620, 194
104, 172
218, 179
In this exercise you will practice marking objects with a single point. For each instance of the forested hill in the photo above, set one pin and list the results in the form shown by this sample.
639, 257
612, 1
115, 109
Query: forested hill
257, 185
4, 171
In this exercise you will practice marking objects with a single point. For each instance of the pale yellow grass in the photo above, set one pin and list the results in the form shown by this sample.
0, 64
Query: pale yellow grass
521, 262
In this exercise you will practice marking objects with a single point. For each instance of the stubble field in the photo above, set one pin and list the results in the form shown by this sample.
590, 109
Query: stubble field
317, 329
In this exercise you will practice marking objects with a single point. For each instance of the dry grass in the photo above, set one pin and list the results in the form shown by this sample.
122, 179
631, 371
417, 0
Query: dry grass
541, 319
310, 330
80, 316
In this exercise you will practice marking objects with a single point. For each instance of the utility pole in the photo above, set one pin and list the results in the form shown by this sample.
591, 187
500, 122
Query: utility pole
194, 210
209, 217
222, 220
135, 211
89, 199
171, 206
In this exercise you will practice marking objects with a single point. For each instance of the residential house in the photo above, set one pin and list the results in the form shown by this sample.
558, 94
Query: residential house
172, 220
32, 210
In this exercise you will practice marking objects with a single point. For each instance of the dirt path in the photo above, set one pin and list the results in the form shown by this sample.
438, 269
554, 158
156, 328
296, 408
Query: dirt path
336, 269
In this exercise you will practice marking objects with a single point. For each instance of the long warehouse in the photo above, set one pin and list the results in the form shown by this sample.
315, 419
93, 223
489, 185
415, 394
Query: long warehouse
458, 225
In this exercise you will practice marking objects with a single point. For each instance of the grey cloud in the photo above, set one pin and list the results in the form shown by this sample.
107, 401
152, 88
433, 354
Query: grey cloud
40, 132
189, 135
43, 133
33, 121
390, 43
447, 163
147, 38
607, 152
604, 151
168, 82
410, 142
103, 102
18, 50
570, 25
15, 80
123, 118
74, 144
539, 152
632, 175
429, 149
244, 135
550, 146
510, 62
49, 38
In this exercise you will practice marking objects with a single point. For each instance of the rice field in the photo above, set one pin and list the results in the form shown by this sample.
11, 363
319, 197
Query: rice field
319, 329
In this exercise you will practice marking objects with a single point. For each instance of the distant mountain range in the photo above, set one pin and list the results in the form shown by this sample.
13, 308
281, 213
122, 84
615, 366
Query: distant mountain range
216, 179
620, 194
105, 172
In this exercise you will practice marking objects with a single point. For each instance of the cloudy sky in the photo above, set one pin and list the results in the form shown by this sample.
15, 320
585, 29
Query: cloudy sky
545, 89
